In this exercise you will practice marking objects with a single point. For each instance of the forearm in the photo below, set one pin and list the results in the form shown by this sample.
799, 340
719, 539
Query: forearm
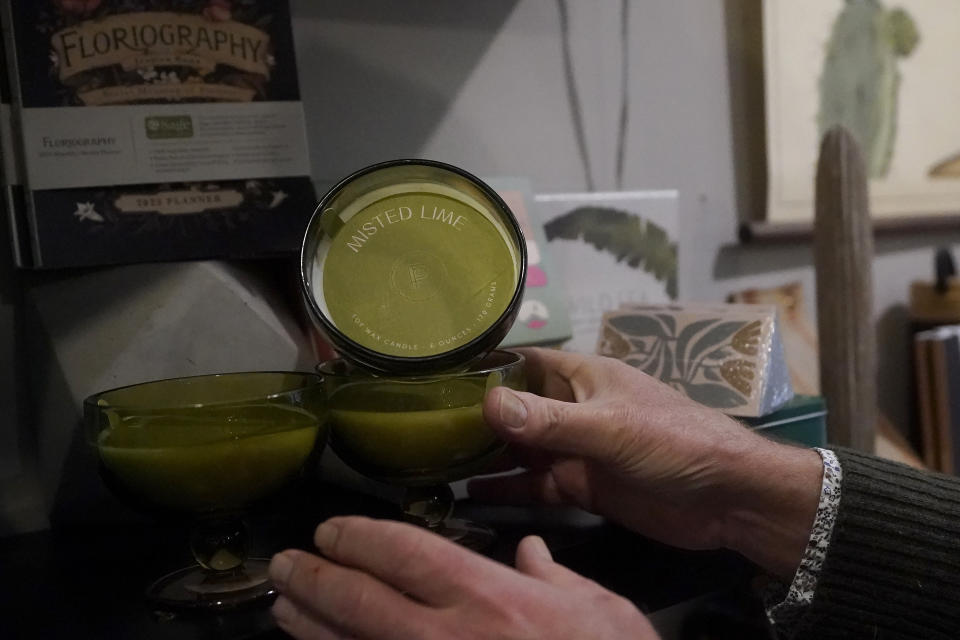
892, 568
776, 490
890, 561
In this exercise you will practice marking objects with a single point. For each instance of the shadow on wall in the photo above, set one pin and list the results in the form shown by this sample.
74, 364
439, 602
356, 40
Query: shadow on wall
72, 490
362, 110
61, 468
736, 261
29, 489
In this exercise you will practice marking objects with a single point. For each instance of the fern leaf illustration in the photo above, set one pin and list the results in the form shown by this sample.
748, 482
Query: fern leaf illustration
624, 235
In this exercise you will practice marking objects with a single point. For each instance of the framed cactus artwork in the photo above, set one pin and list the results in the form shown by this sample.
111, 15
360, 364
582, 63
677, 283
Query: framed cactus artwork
883, 69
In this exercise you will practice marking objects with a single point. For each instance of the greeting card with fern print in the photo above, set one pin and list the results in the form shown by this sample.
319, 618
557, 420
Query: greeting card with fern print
612, 248
543, 318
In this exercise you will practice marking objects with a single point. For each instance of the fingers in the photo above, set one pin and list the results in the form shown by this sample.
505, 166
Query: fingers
574, 377
571, 377
413, 560
517, 457
530, 487
568, 410
566, 481
532, 554
575, 429
507, 460
548, 372
325, 596
534, 559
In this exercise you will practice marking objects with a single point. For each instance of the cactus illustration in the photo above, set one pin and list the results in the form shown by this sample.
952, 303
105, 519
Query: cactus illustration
860, 82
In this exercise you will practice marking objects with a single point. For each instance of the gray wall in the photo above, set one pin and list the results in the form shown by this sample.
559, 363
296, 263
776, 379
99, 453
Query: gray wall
484, 85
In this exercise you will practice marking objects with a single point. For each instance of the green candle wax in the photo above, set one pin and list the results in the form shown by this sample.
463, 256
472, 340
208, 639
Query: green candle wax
392, 429
216, 458
416, 269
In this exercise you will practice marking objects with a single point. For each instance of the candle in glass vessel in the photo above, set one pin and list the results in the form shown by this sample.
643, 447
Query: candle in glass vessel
208, 459
417, 430
208, 446
413, 267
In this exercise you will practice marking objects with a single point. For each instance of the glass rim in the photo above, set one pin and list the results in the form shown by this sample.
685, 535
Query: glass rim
513, 359
93, 400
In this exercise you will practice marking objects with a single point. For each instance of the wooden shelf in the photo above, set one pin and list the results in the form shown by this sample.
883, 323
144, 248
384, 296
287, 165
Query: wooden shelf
787, 232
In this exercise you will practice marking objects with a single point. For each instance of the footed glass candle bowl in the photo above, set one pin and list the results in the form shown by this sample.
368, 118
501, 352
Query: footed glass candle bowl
208, 446
420, 433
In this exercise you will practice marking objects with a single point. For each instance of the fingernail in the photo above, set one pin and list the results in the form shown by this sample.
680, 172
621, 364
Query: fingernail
513, 412
282, 609
280, 567
325, 536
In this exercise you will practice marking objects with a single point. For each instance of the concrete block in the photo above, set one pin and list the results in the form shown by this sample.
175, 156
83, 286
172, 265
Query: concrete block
112, 327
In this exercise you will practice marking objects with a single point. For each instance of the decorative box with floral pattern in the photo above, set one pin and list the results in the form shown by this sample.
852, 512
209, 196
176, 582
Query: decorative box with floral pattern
729, 357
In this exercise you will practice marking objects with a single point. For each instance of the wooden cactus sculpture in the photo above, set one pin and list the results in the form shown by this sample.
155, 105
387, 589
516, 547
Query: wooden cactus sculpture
843, 251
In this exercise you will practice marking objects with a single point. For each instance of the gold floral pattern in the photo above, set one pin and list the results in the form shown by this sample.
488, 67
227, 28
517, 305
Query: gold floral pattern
717, 359
614, 344
739, 374
747, 339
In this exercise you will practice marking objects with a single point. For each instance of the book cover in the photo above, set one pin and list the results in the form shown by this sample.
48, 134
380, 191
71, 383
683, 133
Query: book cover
942, 420
612, 248
922, 367
803, 420
941, 406
158, 129
11, 189
543, 317
951, 348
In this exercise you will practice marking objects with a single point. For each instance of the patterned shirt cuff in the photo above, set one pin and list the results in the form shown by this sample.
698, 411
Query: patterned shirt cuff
791, 600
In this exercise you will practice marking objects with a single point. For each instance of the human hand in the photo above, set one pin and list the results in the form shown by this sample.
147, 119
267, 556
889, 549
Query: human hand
382, 579
599, 434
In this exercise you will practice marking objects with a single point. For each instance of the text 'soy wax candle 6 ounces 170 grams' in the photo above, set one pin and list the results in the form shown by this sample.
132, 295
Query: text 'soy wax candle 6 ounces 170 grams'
413, 267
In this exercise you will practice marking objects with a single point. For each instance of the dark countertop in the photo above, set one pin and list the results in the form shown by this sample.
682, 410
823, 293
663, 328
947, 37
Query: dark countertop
88, 582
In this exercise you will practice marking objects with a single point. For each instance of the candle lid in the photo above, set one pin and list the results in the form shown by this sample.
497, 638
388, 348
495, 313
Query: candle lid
413, 266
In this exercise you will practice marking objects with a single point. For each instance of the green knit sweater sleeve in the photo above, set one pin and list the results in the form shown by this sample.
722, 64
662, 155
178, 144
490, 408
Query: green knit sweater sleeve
892, 568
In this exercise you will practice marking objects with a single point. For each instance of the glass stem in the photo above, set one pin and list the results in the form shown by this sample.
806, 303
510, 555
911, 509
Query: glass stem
219, 544
428, 506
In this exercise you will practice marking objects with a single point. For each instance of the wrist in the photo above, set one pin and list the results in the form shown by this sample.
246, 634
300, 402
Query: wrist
776, 493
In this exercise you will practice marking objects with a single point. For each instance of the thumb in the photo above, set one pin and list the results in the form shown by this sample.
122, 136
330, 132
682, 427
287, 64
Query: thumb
566, 428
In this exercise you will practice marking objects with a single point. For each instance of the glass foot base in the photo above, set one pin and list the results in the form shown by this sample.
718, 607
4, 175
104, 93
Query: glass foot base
430, 507
195, 588
471, 535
